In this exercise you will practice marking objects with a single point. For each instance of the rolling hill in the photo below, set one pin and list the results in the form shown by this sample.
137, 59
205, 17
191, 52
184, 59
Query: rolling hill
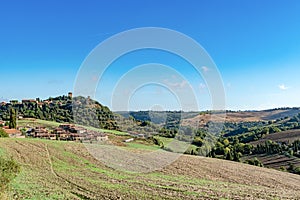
80, 110
65, 170
284, 136
279, 160
241, 116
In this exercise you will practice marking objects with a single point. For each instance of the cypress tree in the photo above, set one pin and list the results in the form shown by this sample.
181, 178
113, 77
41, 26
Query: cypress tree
13, 118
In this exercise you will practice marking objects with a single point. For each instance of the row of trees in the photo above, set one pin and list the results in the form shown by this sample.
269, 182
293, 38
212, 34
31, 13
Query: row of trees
270, 147
230, 150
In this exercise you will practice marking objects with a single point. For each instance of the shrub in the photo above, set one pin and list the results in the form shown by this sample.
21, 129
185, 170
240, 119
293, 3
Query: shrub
9, 169
283, 168
158, 142
297, 170
255, 162
3, 133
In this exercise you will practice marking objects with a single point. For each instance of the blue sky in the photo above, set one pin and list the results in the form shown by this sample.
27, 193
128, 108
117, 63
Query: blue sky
255, 45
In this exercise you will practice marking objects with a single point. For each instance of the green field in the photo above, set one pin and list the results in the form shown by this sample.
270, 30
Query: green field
136, 145
168, 143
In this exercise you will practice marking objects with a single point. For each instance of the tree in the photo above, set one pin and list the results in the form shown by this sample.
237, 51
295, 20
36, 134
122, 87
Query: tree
255, 162
226, 142
197, 141
237, 156
228, 155
12, 119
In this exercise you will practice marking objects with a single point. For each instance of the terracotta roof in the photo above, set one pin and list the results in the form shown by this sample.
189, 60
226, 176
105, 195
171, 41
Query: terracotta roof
12, 131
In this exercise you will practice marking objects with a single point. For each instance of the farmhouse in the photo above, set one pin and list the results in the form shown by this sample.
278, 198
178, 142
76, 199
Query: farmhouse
49, 136
102, 138
61, 133
40, 132
14, 133
66, 126
69, 132
78, 130
76, 137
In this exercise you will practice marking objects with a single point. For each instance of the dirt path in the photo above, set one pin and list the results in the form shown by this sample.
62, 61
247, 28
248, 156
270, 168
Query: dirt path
50, 161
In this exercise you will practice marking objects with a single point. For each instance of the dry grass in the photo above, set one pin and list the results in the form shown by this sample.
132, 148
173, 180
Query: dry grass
65, 170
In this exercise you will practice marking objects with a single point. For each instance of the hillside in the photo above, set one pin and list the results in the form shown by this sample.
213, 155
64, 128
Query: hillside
65, 170
284, 136
81, 110
280, 161
241, 116
276, 161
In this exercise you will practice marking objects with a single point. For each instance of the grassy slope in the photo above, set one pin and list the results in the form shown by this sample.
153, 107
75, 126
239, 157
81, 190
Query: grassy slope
65, 170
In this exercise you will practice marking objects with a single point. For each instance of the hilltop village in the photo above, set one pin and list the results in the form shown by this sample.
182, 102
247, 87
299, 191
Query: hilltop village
65, 131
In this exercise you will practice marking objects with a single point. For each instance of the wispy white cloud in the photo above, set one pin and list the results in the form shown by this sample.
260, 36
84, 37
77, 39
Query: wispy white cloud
283, 87
179, 85
202, 86
176, 82
205, 69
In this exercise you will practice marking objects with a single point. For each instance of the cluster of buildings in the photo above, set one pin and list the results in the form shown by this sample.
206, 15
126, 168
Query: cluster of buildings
66, 132
37, 101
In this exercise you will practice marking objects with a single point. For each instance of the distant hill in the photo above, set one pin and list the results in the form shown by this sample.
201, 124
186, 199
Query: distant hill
283, 136
66, 170
200, 119
167, 119
241, 116
80, 110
